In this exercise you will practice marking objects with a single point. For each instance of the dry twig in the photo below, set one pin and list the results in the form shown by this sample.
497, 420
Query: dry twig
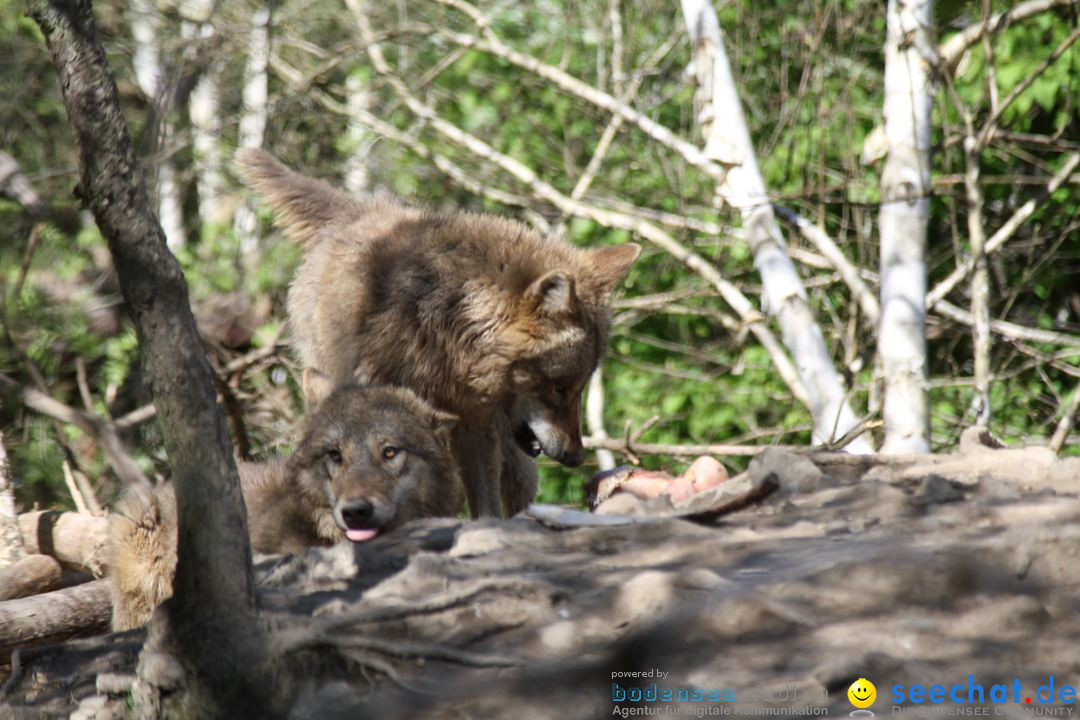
103, 431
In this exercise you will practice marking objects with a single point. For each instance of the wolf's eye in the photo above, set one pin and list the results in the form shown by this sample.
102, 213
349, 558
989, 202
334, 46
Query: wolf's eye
334, 456
389, 452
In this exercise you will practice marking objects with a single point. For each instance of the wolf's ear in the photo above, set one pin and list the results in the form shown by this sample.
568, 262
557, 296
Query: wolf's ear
610, 265
552, 294
443, 421
317, 386
303, 205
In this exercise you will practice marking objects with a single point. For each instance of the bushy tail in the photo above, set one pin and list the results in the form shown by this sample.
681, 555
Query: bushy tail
142, 536
303, 205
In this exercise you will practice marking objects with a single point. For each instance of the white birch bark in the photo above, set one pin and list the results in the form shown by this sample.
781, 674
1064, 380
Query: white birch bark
252, 129
358, 100
11, 544
980, 284
594, 418
170, 208
905, 213
204, 109
145, 28
727, 141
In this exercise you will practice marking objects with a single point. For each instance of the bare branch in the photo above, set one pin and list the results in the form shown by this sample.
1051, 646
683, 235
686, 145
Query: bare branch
632, 449
988, 51
1007, 329
573, 86
73, 490
1005, 232
102, 431
28, 257
1065, 424
953, 49
832, 252
476, 16
980, 277
616, 122
991, 122
136, 417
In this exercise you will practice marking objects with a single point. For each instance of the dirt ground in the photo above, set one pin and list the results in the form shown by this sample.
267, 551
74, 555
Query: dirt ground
956, 570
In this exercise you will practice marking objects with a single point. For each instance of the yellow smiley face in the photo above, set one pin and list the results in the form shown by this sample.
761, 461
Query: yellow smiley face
862, 693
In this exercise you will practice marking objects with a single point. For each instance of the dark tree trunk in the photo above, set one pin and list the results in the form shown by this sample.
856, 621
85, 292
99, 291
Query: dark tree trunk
210, 626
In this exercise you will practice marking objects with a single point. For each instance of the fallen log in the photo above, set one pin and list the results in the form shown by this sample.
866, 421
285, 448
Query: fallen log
32, 575
55, 616
77, 540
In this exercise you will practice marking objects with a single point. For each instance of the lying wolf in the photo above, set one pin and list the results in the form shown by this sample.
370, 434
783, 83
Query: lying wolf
371, 459
481, 316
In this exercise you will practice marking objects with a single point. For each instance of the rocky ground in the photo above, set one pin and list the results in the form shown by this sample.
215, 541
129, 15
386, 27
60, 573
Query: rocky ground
949, 570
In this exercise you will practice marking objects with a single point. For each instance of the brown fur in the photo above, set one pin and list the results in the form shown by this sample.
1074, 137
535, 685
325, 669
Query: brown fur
338, 477
480, 315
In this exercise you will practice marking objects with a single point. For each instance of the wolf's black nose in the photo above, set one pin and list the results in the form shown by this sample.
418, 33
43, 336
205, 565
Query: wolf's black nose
572, 458
357, 513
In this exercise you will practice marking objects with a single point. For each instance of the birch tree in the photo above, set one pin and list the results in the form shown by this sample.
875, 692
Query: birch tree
254, 116
11, 545
727, 141
357, 177
903, 221
204, 108
150, 76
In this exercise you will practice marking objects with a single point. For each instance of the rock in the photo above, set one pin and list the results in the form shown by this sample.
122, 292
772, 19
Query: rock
900, 570
935, 489
797, 473
978, 438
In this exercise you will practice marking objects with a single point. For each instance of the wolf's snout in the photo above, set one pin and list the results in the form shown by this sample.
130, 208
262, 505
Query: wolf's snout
358, 516
571, 458
357, 513
358, 519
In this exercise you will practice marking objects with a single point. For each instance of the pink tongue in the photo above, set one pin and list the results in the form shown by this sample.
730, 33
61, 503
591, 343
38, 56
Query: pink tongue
361, 535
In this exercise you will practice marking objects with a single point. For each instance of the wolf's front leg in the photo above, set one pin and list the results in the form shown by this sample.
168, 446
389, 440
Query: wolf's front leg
519, 480
476, 450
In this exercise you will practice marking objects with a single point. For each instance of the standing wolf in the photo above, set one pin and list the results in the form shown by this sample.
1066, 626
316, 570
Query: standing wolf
481, 316
370, 460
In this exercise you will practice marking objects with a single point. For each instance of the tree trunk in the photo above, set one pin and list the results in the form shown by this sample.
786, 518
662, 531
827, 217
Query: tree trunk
204, 109
32, 575
210, 624
150, 77
55, 616
357, 176
905, 213
594, 418
80, 542
980, 284
253, 119
727, 141
11, 545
